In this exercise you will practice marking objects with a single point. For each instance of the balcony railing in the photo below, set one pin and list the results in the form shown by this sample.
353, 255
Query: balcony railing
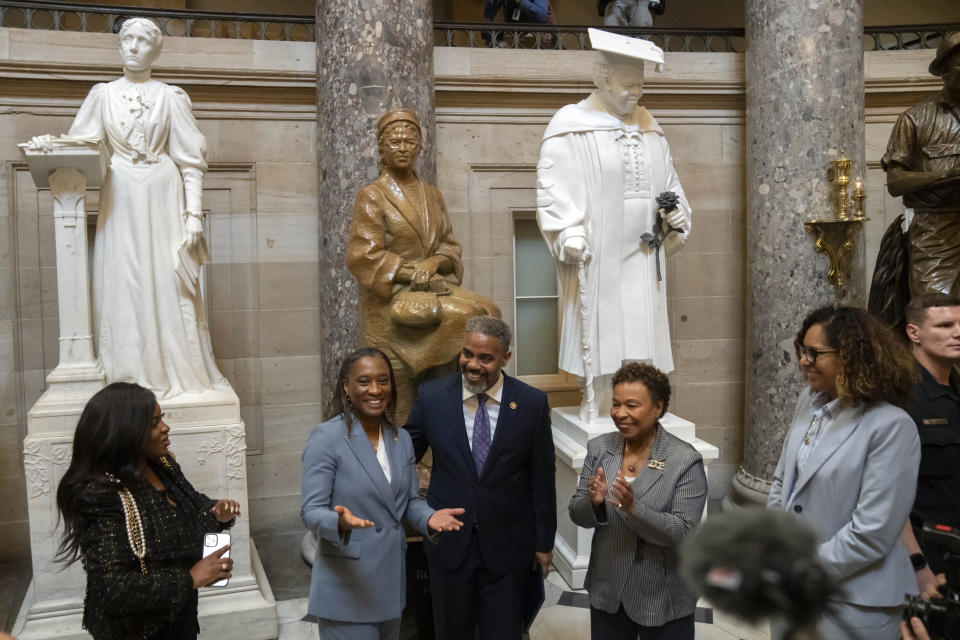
71, 16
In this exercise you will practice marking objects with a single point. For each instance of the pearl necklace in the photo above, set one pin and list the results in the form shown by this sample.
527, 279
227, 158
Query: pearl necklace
135, 536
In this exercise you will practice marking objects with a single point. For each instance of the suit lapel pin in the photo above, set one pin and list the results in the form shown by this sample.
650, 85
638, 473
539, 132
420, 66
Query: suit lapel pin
656, 464
513, 405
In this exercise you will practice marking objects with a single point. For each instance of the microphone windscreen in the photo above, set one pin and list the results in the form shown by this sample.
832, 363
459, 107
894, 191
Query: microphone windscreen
755, 564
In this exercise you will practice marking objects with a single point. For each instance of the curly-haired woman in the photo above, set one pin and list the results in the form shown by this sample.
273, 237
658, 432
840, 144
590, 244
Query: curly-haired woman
641, 491
848, 467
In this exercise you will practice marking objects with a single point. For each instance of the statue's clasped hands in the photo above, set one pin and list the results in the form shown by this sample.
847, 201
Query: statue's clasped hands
425, 276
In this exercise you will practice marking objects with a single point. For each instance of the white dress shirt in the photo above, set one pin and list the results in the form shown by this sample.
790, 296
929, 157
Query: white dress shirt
470, 404
382, 456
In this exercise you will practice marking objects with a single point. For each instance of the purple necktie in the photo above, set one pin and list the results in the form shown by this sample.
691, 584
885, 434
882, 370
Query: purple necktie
481, 433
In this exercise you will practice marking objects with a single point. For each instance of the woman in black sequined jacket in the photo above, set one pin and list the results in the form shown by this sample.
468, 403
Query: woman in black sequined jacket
136, 523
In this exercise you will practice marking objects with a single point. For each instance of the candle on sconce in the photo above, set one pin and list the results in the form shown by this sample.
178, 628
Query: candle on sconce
858, 197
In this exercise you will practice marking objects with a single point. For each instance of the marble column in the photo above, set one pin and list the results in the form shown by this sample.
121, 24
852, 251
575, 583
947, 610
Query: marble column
372, 56
805, 97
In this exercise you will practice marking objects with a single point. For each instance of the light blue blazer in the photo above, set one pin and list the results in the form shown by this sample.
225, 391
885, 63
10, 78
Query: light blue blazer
362, 576
856, 491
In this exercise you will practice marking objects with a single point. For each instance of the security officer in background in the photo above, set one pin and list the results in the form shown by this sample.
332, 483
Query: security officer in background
933, 327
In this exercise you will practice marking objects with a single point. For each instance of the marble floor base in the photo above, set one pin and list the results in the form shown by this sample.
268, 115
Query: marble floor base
557, 622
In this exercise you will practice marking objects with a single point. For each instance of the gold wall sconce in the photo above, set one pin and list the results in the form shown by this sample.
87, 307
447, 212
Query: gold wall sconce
835, 236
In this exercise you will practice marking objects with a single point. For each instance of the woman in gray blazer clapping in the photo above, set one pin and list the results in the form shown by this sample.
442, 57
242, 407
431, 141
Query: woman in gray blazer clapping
848, 467
641, 490
359, 485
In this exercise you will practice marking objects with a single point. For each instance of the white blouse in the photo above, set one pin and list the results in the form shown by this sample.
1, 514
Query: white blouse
382, 456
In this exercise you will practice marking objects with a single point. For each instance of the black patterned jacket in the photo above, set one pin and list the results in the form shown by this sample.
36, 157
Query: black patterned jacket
122, 602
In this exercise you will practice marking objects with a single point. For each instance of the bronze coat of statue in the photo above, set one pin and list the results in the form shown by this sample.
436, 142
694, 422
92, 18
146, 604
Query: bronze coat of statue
408, 264
923, 165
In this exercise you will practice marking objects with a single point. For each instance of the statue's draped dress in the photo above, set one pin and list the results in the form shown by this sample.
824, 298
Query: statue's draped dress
149, 328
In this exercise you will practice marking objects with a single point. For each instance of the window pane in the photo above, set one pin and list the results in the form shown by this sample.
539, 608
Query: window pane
536, 273
537, 343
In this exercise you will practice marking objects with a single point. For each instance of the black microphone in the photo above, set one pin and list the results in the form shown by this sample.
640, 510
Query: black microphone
756, 564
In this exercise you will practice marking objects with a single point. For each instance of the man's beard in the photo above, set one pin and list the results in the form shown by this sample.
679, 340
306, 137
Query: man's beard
479, 387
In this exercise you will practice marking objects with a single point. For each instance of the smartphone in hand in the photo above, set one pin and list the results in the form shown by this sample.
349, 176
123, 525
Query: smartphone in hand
212, 542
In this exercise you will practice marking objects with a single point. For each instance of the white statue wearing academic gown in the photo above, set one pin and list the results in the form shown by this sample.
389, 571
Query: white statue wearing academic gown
603, 162
150, 328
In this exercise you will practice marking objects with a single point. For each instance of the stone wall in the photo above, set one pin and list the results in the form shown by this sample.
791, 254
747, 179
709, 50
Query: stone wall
255, 104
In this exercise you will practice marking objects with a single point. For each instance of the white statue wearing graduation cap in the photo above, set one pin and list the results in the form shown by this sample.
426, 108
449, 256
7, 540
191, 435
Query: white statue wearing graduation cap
608, 204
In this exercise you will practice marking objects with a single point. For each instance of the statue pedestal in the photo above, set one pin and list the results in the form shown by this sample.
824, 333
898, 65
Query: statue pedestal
206, 433
570, 435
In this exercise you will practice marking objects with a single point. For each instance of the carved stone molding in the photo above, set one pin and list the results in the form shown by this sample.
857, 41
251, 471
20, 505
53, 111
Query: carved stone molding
38, 466
232, 447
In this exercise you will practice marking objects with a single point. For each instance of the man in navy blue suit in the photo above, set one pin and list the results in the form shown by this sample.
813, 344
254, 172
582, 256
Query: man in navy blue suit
493, 455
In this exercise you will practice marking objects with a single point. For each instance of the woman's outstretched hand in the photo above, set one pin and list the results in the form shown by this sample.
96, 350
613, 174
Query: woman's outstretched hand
348, 521
444, 520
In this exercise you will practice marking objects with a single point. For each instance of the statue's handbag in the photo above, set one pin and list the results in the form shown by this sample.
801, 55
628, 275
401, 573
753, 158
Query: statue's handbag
416, 309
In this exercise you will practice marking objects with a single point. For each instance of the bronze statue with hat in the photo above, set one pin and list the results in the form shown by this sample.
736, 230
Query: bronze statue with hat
408, 264
923, 165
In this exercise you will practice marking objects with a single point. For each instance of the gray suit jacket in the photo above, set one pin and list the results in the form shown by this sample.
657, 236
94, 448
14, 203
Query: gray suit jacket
633, 558
855, 491
362, 576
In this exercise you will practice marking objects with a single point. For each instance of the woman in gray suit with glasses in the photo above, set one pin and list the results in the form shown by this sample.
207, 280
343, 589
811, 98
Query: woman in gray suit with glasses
848, 467
641, 491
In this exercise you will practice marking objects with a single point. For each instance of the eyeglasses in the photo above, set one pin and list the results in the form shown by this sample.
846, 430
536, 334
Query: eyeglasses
811, 353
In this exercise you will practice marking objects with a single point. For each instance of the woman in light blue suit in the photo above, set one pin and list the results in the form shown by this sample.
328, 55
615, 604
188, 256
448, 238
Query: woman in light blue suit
359, 485
849, 465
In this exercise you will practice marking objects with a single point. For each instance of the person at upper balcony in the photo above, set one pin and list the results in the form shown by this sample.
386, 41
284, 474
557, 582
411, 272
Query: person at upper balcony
629, 13
535, 11
148, 316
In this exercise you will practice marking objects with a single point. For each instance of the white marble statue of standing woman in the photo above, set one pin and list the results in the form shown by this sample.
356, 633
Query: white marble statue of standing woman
150, 325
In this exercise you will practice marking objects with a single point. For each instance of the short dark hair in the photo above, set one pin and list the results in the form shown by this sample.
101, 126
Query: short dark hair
916, 310
656, 381
493, 327
340, 399
874, 364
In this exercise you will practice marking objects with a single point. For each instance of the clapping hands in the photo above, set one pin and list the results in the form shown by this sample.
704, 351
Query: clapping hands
619, 494
597, 488
622, 494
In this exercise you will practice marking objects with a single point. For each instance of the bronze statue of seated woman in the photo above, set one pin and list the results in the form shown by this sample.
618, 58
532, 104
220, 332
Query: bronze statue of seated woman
407, 263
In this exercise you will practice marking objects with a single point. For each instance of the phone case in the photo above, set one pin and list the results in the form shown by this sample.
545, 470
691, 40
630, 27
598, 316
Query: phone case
212, 542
